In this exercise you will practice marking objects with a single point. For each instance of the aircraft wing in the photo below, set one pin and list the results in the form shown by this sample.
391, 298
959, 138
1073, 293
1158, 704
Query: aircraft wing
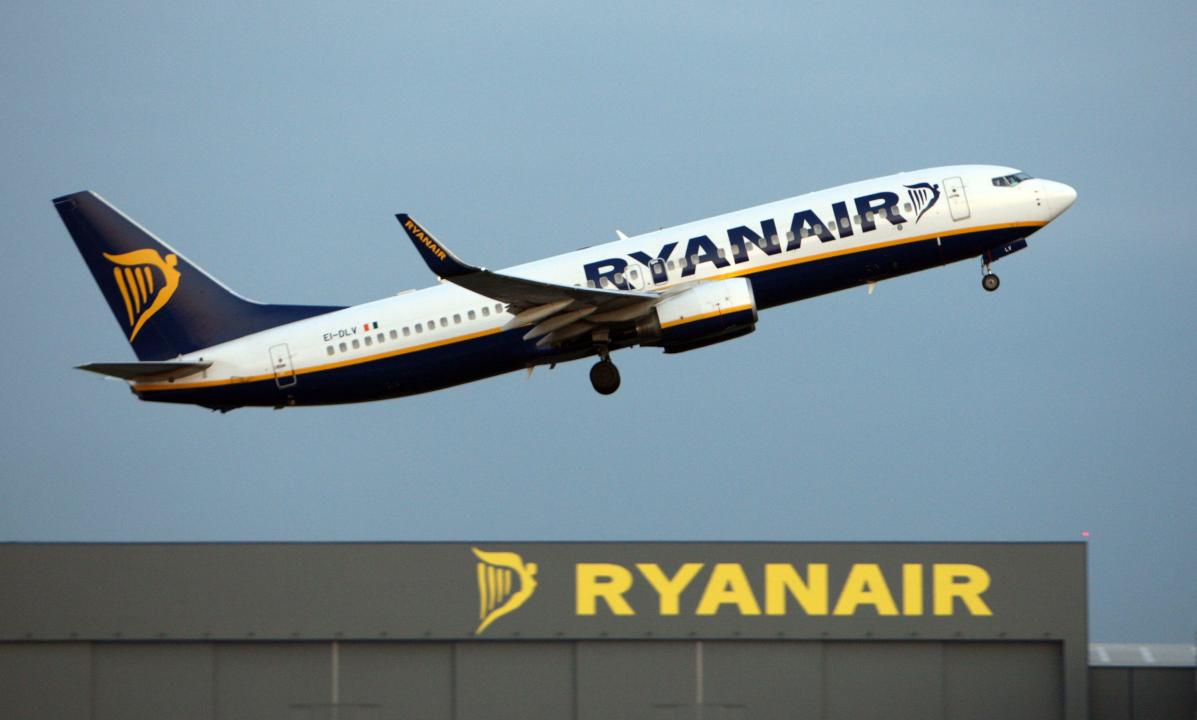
558, 311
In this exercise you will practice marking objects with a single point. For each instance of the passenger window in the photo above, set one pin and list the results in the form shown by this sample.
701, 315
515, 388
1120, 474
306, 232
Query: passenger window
498, 309
618, 278
908, 207
472, 315
369, 341
330, 350
406, 331
803, 232
486, 311
722, 255
789, 236
356, 344
382, 337
456, 319
444, 322
671, 265
395, 335
344, 347
844, 223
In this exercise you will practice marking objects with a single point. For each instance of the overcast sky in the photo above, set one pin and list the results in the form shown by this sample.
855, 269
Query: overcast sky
272, 145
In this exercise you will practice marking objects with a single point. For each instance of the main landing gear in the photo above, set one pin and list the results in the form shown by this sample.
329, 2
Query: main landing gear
604, 376
989, 281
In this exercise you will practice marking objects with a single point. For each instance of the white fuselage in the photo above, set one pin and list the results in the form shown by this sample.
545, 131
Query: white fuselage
446, 314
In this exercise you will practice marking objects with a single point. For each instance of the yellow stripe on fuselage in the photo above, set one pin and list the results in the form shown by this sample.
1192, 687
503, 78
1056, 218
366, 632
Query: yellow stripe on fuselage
316, 368
865, 248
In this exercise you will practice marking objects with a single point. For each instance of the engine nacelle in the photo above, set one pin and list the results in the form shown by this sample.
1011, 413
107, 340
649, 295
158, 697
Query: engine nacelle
708, 313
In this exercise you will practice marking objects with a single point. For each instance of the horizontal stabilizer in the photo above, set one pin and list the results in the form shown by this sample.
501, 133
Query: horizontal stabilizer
146, 370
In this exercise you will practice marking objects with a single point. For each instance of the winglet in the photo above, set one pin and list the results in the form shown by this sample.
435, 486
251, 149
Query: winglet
438, 257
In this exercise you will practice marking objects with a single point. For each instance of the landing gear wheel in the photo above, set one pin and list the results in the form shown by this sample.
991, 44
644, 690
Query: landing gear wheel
990, 282
604, 376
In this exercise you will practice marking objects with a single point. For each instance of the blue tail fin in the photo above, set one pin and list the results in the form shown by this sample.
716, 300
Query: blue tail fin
165, 305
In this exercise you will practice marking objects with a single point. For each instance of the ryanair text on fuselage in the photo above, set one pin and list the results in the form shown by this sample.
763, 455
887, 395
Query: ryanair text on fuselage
806, 223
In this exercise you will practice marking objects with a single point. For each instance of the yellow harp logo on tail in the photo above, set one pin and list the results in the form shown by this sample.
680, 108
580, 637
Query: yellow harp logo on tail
144, 291
497, 591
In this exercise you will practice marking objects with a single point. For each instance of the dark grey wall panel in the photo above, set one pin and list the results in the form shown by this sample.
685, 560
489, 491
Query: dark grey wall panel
992, 681
636, 680
1109, 693
884, 681
404, 680
265, 681
514, 681
151, 681
45, 680
777, 679
1159, 693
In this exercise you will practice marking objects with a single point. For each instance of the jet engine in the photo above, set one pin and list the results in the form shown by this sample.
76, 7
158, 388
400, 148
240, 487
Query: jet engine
705, 314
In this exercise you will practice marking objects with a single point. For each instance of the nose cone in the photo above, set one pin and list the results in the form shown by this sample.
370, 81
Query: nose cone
1059, 197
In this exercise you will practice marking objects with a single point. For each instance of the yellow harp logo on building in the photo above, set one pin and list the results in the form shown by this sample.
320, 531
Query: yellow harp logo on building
144, 291
498, 595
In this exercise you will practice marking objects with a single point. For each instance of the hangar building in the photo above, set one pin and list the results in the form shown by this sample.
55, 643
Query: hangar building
373, 631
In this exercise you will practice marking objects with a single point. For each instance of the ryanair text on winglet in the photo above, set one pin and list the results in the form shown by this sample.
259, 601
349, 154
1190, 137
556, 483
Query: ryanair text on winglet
727, 586
422, 236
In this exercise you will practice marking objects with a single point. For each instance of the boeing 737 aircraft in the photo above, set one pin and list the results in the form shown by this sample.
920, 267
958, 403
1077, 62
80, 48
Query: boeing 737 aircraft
678, 289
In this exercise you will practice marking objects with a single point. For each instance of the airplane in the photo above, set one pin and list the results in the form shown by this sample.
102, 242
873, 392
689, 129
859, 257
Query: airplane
678, 288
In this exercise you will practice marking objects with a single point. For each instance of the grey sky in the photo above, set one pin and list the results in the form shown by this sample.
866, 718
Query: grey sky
273, 144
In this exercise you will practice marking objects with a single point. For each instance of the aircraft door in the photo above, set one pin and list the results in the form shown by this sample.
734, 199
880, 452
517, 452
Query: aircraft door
658, 271
957, 201
637, 276
280, 362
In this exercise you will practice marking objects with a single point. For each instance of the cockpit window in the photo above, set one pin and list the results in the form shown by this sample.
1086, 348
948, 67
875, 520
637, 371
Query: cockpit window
1011, 180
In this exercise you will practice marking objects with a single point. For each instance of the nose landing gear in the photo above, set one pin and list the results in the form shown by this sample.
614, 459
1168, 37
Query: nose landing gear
989, 281
604, 376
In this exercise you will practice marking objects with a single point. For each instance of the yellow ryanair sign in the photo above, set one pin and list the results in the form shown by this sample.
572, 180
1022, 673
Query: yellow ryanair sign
602, 587
696, 589
141, 291
498, 593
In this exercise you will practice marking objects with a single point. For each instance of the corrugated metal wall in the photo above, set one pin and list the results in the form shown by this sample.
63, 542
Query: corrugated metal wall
587, 680
1142, 693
